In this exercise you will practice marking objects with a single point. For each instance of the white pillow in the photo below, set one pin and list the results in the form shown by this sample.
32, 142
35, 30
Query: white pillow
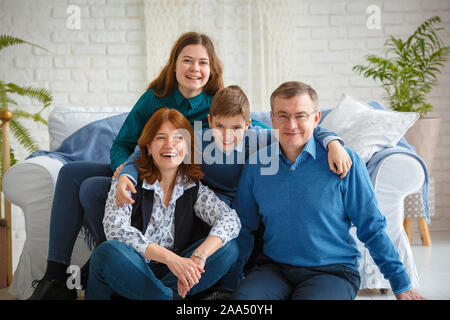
63, 121
366, 130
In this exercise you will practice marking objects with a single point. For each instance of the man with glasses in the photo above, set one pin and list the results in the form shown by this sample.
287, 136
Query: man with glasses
307, 212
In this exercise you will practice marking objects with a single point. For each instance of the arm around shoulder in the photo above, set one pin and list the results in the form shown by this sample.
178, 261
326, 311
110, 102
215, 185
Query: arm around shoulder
131, 129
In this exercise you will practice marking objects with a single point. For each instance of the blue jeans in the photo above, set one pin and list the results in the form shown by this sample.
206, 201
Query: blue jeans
80, 196
277, 281
117, 269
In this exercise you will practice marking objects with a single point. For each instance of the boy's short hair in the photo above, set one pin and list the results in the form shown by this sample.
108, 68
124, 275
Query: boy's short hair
230, 101
292, 89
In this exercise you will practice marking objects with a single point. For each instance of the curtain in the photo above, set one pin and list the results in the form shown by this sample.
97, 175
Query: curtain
253, 39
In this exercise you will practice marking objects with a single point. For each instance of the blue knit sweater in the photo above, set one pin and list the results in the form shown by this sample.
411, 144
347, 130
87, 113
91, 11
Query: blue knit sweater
307, 211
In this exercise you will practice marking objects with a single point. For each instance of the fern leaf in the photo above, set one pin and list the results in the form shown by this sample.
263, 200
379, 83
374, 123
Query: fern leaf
42, 95
23, 136
18, 113
3, 96
7, 40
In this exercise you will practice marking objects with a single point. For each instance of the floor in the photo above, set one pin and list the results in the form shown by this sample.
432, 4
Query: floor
433, 266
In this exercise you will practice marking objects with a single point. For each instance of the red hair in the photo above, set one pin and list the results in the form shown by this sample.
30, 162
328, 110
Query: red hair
146, 167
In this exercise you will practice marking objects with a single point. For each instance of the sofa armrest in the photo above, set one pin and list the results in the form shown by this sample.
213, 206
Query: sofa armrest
31, 181
30, 184
398, 175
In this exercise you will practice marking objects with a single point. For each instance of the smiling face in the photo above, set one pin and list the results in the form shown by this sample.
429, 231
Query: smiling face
293, 135
228, 131
192, 70
168, 148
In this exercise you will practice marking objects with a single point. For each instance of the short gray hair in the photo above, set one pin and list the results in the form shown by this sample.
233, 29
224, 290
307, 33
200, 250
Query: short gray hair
292, 89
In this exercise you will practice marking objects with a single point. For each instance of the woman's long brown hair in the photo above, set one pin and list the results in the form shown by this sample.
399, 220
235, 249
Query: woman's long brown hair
166, 82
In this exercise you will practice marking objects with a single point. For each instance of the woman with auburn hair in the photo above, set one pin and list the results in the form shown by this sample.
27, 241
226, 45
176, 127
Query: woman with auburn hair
188, 81
177, 237
147, 167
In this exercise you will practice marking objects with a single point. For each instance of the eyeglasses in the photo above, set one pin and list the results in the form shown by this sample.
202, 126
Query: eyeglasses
300, 117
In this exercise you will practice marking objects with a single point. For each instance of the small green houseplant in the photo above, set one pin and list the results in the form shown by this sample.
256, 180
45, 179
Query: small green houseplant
409, 70
407, 74
8, 91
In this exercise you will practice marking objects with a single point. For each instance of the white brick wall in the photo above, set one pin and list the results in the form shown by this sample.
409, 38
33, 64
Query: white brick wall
103, 63
105, 58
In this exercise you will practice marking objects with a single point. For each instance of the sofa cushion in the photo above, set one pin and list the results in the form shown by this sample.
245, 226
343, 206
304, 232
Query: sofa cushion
365, 129
91, 142
64, 121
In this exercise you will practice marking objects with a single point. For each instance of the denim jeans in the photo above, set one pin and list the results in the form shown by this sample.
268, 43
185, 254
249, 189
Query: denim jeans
277, 281
117, 269
81, 190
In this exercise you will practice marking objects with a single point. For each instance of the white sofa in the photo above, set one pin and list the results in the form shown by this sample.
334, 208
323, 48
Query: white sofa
30, 185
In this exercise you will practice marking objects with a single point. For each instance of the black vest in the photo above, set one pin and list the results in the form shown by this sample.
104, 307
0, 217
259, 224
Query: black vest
188, 227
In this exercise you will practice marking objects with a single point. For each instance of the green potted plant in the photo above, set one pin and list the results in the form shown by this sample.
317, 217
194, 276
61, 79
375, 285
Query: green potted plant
407, 74
7, 92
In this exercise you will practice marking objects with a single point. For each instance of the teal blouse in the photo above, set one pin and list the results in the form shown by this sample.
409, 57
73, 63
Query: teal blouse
194, 109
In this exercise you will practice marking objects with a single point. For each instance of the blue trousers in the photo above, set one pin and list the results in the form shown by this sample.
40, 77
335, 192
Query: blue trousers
117, 269
276, 281
80, 196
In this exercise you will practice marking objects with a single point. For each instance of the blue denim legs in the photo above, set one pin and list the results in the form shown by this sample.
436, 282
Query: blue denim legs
117, 269
67, 214
276, 281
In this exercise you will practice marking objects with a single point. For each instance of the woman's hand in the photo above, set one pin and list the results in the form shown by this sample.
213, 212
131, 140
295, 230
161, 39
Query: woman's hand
186, 270
182, 289
338, 158
123, 185
199, 262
